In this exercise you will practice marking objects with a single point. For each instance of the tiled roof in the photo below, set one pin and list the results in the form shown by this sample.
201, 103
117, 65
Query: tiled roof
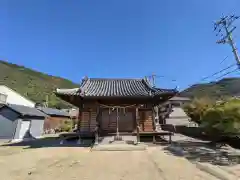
96, 87
54, 112
74, 91
26, 111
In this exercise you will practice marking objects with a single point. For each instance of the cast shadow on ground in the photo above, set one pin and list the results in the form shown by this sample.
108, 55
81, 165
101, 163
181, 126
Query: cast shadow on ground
48, 142
204, 152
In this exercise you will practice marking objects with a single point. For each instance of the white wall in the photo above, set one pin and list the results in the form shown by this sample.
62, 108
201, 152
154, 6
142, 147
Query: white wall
8, 123
15, 98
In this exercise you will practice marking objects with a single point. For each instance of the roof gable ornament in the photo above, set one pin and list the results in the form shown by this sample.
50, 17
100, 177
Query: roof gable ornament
85, 82
150, 93
85, 78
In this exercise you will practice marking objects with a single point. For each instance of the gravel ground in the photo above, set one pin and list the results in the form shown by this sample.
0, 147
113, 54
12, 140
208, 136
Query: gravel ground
70, 163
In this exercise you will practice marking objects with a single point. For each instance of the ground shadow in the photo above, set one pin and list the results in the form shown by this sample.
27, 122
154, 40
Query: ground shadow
204, 152
48, 142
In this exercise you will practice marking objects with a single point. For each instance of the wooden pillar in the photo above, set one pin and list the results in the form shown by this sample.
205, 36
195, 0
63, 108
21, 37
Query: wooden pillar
96, 131
138, 126
153, 118
156, 117
80, 116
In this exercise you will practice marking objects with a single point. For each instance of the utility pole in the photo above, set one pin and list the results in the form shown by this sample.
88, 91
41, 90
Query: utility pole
225, 24
46, 103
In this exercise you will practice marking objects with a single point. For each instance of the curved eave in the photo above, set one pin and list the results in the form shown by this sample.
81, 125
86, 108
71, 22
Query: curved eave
75, 91
163, 94
75, 96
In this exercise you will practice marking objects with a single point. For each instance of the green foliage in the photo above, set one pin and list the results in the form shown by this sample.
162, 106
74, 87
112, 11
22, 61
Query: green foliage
196, 109
66, 126
223, 117
34, 85
219, 117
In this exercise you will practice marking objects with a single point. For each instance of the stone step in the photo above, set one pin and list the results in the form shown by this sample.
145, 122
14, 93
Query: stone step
119, 147
216, 171
124, 140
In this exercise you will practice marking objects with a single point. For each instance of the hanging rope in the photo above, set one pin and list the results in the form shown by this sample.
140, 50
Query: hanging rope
115, 107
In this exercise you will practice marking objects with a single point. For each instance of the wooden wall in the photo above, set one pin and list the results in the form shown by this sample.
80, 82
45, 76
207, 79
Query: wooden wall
126, 121
88, 121
146, 121
108, 121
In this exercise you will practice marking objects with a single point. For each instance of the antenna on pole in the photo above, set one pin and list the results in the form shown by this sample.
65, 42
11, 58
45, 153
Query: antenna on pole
153, 79
225, 24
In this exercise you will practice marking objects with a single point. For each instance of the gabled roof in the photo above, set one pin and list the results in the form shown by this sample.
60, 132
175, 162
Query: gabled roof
100, 87
18, 93
54, 112
25, 111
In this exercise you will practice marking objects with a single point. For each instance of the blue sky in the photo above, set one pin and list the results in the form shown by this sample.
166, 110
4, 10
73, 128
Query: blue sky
112, 38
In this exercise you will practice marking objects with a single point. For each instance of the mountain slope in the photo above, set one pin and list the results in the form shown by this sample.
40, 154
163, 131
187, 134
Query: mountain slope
32, 84
37, 86
226, 87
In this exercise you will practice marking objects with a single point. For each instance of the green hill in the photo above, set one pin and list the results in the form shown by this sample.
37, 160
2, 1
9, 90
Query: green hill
32, 84
226, 87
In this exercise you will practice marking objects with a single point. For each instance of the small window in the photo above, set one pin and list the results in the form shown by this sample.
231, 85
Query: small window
3, 98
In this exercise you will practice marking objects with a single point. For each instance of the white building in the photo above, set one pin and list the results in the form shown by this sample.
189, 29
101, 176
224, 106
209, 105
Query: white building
9, 96
178, 116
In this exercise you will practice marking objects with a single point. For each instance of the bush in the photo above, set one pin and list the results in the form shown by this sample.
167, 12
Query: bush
223, 117
66, 126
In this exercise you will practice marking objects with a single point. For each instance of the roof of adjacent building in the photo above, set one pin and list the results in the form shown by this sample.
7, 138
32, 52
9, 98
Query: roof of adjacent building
25, 110
18, 94
54, 112
1, 105
72, 112
105, 87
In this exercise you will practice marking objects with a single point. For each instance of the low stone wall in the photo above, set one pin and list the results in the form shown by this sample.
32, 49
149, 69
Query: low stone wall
197, 132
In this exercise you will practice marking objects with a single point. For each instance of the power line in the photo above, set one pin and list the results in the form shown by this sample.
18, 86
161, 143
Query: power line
152, 78
218, 72
223, 60
214, 75
158, 76
228, 73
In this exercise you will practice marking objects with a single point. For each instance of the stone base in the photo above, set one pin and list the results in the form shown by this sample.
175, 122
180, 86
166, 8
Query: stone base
118, 138
119, 147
